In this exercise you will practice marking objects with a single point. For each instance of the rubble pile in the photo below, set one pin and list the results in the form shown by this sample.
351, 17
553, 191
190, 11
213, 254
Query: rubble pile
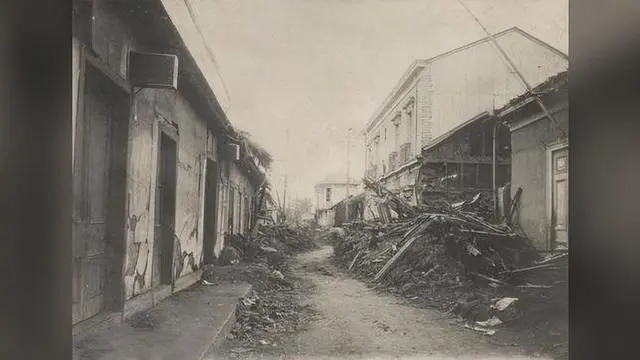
262, 317
453, 257
296, 239
273, 306
272, 242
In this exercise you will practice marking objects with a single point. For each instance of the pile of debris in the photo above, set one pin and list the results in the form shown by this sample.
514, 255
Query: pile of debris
270, 241
273, 307
452, 257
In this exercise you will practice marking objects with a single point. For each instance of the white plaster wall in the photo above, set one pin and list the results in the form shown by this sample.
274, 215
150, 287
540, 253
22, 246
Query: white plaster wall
141, 171
477, 79
192, 153
338, 193
387, 146
142, 179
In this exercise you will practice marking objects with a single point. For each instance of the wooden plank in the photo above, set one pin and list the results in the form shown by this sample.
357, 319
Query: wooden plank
385, 269
354, 260
514, 204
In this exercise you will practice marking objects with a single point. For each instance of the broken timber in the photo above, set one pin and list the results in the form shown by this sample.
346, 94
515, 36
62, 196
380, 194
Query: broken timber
354, 260
414, 236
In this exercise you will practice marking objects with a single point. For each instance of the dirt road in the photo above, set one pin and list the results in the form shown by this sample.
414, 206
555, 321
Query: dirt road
357, 322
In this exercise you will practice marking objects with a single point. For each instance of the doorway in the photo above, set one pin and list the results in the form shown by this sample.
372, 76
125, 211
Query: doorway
99, 197
210, 210
163, 244
559, 193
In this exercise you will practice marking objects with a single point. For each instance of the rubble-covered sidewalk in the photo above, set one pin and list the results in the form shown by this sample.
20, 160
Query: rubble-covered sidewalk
455, 258
273, 309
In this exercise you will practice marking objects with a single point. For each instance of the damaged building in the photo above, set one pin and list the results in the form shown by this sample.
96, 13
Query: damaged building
328, 193
461, 163
540, 162
159, 174
437, 95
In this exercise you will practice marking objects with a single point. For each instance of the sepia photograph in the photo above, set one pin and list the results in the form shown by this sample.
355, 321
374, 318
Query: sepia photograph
336, 179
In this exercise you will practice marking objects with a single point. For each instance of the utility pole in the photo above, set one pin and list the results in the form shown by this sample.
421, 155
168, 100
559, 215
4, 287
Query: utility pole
284, 196
346, 214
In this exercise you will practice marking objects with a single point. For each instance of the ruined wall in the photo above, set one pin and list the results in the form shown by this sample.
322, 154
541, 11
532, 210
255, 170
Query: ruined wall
529, 171
232, 180
192, 155
112, 39
477, 79
151, 108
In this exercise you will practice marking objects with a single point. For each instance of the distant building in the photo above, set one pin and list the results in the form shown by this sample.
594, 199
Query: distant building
540, 162
329, 192
436, 95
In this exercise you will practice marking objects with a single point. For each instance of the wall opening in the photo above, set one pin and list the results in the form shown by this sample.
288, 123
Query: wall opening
165, 211
210, 210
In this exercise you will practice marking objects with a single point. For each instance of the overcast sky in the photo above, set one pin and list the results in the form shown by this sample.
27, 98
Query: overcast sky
319, 68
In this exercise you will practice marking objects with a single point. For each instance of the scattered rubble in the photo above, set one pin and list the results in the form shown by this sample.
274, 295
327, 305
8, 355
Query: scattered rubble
274, 306
457, 258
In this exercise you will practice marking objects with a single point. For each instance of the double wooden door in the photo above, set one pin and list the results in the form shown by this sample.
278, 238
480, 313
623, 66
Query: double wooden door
91, 195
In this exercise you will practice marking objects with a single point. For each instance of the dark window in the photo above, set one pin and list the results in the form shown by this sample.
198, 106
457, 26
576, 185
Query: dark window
328, 194
488, 141
231, 210
475, 142
485, 175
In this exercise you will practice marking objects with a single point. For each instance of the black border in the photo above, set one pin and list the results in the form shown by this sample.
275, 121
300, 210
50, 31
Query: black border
35, 180
604, 88
35, 185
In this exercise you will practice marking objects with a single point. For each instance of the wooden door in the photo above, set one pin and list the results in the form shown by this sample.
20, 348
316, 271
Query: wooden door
163, 245
560, 196
210, 210
90, 228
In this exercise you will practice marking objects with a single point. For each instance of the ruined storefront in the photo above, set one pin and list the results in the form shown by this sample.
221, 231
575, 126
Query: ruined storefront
461, 163
147, 159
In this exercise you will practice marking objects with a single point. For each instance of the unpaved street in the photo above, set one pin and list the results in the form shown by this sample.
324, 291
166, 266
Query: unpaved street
356, 322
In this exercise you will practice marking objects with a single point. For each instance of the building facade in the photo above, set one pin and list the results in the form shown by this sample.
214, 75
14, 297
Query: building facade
436, 95
328, 193
540, 163
158, 173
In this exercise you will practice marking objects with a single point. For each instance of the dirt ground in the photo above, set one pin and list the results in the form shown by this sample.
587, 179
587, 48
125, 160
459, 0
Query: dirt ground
353, 321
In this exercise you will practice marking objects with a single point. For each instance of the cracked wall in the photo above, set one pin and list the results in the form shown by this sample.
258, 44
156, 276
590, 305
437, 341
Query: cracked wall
152, 107
192, 155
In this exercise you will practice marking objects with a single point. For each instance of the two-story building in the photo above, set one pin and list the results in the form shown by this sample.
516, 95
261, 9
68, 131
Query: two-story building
159, 173
436, 95
328, 193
